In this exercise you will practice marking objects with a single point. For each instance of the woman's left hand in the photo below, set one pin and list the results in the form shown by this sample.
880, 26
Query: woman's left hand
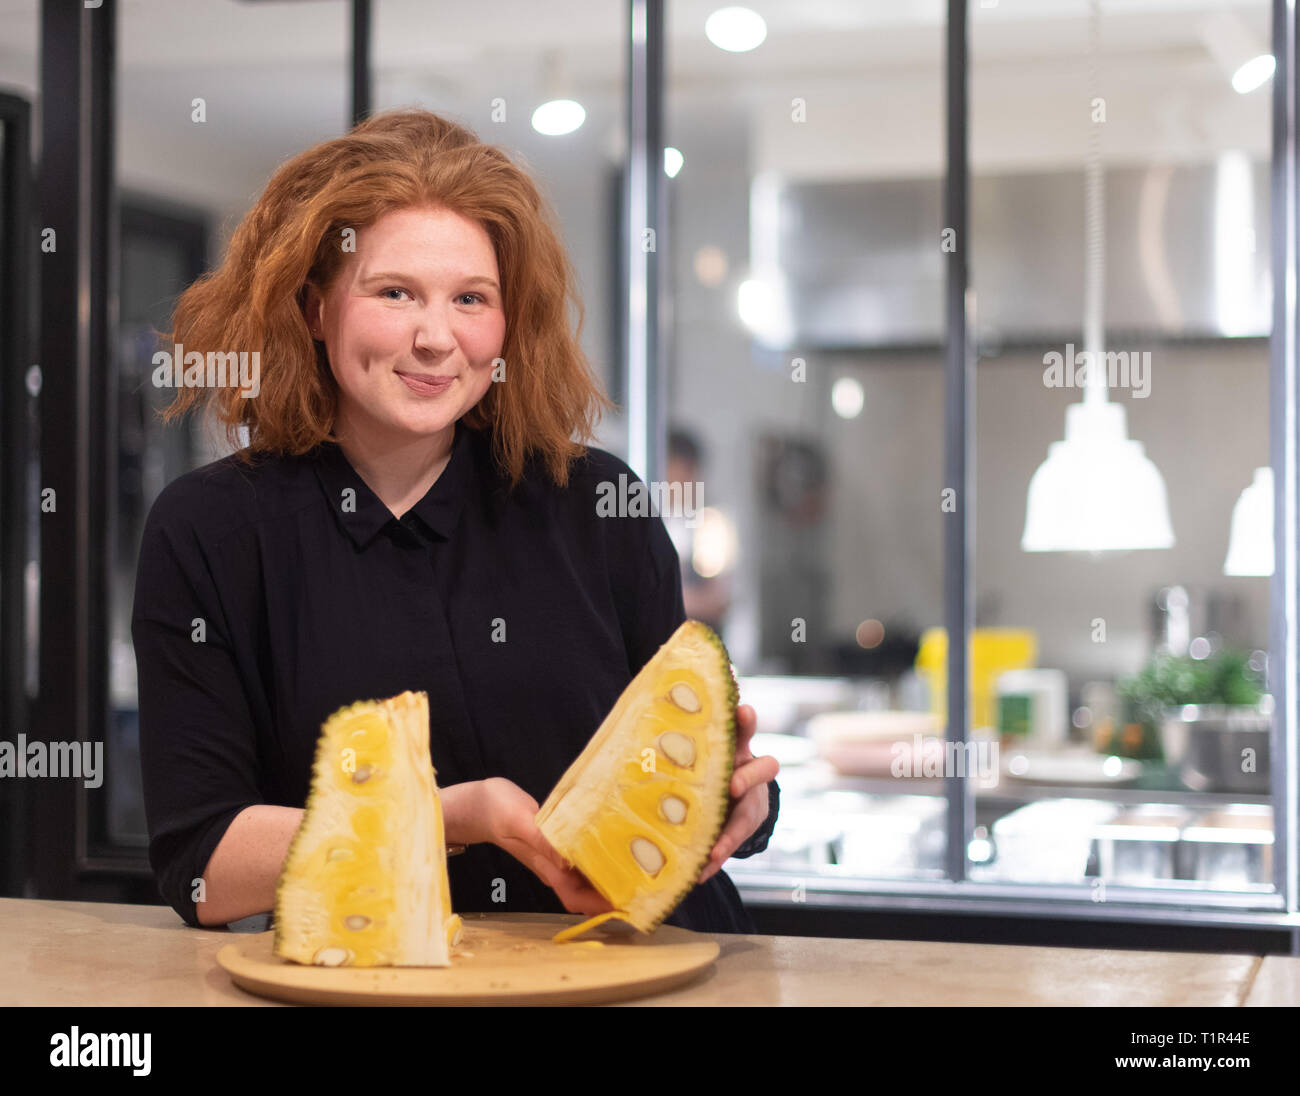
749, 804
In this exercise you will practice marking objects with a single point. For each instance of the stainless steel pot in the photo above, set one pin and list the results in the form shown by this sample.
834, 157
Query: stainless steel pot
1218, 748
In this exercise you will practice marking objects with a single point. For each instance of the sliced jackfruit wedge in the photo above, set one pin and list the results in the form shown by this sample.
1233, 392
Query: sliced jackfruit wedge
365, 881
641, 808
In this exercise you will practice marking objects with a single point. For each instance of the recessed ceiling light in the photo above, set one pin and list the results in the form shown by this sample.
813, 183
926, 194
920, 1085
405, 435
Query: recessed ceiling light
673, 161
735, 29
558, 117
1253, 73
847, 397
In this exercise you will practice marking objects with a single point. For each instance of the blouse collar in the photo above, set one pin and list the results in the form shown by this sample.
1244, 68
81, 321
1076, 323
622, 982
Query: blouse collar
366, 515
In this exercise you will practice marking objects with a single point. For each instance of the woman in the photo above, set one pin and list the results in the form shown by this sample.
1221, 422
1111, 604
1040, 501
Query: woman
410, 511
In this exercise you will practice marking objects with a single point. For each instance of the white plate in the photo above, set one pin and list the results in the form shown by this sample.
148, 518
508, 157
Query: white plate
844, 728
1084, 769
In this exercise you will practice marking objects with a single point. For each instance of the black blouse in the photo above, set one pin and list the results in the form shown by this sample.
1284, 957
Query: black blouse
269, 597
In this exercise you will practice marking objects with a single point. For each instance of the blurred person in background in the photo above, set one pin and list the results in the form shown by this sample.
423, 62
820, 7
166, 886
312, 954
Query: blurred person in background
700, 538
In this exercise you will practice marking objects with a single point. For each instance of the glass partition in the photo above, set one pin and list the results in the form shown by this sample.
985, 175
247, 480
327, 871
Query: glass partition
1122, 312
550, 93
211, 97
805, 396
1121, 267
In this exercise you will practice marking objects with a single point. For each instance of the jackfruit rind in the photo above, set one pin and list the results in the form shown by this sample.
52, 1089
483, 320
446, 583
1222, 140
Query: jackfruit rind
640, 809
364, 882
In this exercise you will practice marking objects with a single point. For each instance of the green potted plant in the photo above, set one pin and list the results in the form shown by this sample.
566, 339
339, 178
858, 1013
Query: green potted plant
1226, 696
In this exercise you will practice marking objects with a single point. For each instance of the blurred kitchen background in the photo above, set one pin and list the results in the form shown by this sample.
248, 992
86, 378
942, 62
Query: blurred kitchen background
1115, 685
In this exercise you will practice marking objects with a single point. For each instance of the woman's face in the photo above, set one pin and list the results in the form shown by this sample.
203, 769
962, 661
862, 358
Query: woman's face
419, 301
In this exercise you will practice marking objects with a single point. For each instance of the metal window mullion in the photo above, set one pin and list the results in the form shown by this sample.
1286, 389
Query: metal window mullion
361, 74
1284, 437
78, 302
17, 260
958, 518
97, 504
644, 202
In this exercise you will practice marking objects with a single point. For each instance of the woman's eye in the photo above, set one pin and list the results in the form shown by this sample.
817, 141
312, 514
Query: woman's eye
394, 289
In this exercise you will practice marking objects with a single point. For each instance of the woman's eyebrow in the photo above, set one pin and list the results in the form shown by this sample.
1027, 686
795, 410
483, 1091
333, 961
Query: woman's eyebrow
392, 275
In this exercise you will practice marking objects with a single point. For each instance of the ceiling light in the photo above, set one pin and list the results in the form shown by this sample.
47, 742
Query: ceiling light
1253, 73
847, 397
558, 117
764, 308
1250, 546
735, 29
1240, 52
1097, 491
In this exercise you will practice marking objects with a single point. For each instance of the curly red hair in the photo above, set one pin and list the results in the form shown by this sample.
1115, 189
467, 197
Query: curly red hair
550, 402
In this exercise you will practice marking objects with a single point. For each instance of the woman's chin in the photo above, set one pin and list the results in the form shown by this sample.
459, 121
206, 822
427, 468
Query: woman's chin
423, 418
405, 421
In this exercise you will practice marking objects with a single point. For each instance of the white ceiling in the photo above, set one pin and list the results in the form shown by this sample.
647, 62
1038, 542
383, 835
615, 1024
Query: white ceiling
274, 75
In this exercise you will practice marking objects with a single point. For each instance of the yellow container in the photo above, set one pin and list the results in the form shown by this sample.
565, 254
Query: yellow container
993, 652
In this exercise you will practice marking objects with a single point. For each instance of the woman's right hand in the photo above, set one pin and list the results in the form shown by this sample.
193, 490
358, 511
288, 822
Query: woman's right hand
506, 816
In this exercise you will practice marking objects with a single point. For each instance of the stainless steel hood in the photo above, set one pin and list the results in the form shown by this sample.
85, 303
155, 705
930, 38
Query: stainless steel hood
860, 264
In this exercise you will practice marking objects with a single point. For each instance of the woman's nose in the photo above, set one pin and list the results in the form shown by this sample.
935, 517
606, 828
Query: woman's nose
433, 327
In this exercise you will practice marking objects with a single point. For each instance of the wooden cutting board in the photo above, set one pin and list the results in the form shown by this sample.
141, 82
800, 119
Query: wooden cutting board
501, 959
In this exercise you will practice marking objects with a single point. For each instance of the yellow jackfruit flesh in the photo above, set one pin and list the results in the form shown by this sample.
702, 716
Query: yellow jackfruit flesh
365, 881
641, 808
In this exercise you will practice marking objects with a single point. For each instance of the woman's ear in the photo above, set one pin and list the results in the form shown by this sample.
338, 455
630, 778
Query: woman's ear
312, 307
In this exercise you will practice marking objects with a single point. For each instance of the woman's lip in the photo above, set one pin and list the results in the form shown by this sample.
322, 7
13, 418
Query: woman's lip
426, 386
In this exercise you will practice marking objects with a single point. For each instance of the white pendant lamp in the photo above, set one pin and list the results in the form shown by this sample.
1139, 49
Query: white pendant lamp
1250, 546
1097, 491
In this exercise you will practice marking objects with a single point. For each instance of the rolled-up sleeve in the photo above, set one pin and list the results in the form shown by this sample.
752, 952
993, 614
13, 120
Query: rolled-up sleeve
757, 841
198, 749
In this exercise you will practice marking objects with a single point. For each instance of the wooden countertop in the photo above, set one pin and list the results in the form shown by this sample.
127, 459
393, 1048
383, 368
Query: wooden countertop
91, 953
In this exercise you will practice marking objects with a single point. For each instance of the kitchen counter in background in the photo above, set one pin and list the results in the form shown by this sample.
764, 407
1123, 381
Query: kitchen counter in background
89, 953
